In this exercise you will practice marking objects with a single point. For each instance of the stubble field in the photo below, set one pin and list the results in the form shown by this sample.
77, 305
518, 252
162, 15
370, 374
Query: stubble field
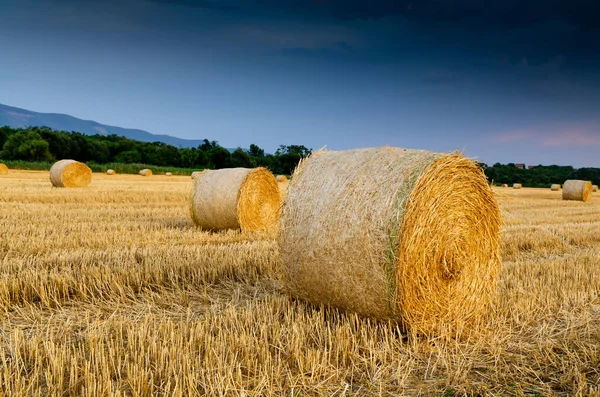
111, 290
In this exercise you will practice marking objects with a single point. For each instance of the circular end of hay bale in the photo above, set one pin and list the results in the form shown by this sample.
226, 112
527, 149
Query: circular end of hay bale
281, 178
450, 247
3, 169
146, 172
504, 185
259, 201
392, 233
110, 172
555, 187
236, 198
577, 190
517, 186
594, 188
70, 173
168, 174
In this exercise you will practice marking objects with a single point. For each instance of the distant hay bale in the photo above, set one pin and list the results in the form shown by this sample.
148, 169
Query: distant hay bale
504, 185
392, 233
168, 174
594, 188
577, 190
3, 169
236, 198
196, 173
555, 187
110, 172
70, 173
281, 178
517, 186
146, 172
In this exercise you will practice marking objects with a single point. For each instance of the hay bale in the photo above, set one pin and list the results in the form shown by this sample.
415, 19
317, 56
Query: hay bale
3, 169
517, 186
504, 185
283, 186
110, 172
146, 172
577, 190
168, 174
594, 188
555, 187
236, 198
196, 173
70, 173
392, 233
281, 178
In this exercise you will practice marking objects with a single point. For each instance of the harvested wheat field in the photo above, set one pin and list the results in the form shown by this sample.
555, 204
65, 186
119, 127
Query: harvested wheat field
112, 290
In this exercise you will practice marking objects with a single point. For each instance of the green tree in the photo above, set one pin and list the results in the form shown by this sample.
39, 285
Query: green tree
288, 158
239, 158
220, 157
255, 151
129, 156
26, 145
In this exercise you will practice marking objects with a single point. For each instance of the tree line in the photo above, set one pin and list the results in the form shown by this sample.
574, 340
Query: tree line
540, 175
43, 144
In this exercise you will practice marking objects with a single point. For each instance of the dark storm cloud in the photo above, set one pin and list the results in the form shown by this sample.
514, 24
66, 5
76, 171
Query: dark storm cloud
504, 12
336, 51
207, 4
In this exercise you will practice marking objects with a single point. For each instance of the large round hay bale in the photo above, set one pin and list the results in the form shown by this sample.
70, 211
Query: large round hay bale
3, 169
504, 185
168, 174
110, 172
517, 186
555, 187
146, 172
196, 173
577, 190
70, 173
236, 198
281, 178
594, 188
392, 233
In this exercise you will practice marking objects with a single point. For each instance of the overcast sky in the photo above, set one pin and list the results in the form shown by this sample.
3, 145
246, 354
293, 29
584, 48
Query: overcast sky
505, 81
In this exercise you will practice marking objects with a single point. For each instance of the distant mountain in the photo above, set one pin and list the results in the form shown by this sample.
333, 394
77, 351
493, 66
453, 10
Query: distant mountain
21, 118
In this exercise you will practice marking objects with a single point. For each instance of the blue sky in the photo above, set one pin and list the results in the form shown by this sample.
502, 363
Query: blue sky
503, 81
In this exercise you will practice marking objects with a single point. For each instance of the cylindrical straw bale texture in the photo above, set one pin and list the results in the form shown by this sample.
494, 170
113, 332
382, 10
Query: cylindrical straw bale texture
392, 233
3, 169
236, 198
70, 173
517, 186
168, 174
594, 188
283, 186
110, 172
555, 187
146, 172
574, 189
504, 185
281, 178
196, 173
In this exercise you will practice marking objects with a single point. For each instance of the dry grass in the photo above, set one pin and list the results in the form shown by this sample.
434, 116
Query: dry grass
111, 290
